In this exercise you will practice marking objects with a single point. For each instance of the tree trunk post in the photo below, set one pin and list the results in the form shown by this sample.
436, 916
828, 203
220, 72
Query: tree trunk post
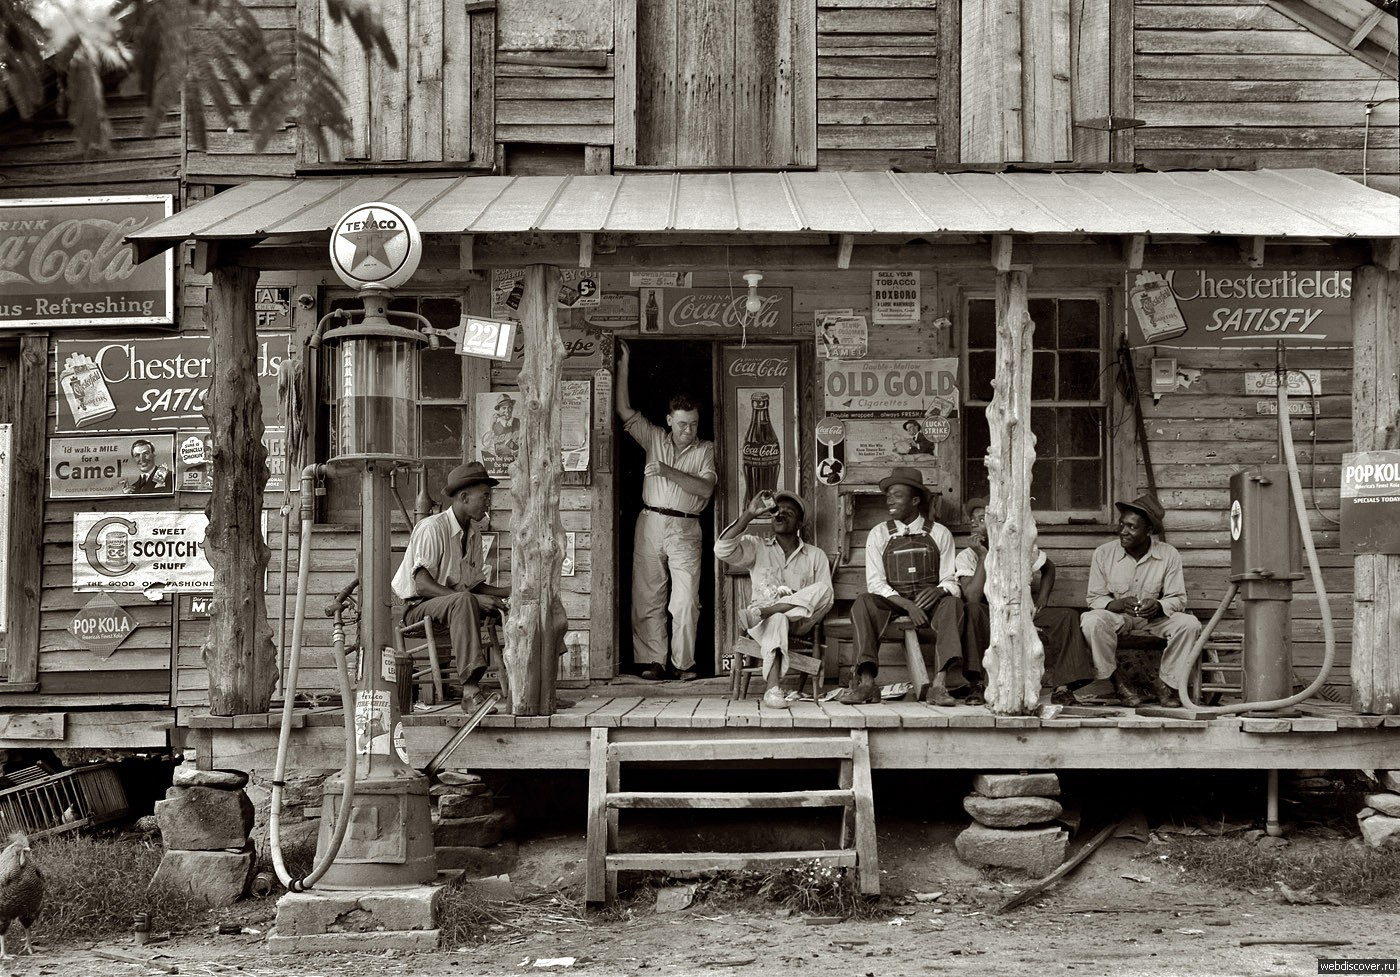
1015, 661
1375, 413
535, 626
238, 651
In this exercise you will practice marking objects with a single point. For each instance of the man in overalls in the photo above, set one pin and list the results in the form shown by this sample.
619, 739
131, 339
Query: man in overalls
909, 571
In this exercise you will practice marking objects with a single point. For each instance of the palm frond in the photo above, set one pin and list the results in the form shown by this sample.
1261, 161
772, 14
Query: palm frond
359, 14
22, 54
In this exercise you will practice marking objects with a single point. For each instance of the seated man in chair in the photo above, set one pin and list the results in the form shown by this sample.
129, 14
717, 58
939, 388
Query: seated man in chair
441, 575
909, 571
790, 583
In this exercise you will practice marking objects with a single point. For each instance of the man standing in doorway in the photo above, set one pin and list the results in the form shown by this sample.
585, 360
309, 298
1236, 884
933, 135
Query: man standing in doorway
441, 577
679, 479
1137, 586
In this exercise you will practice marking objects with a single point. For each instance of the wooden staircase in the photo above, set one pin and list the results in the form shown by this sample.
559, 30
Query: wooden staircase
606, 800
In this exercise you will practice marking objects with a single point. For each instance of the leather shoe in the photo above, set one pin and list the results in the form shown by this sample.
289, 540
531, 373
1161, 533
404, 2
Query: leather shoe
653, 673
1063, 697
860, 693
1168, 696
1126, 694
688, 675
976, 695
937, 695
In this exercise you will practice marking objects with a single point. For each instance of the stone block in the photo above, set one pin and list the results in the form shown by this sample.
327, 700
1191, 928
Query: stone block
1012, 812
458, 778
358, 910
466, 806
189, 775
1385, 803
479, 832
477, 862
1038, 851
1390, 779
403, 941
1017, 784
1381, 831
216, 878
204, 818
465, 790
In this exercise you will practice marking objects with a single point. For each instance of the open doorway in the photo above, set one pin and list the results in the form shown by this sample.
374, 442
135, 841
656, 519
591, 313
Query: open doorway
661, 368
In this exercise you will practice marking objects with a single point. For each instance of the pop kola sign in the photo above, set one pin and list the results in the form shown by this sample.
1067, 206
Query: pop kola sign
1214, 309
64, 261
1370, 499
142, 384
136, 552
102, 625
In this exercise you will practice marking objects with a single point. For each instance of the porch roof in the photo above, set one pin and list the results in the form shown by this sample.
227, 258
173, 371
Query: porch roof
1301, 203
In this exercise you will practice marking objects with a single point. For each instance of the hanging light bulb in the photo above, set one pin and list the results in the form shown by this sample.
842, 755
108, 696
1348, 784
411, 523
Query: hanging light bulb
753, 305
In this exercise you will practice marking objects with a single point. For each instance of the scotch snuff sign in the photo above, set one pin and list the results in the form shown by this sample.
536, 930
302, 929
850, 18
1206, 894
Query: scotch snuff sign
375, 245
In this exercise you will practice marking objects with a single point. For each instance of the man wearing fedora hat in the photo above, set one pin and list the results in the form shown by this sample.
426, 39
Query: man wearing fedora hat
441, 576
1137, 586
909, 570
789, 582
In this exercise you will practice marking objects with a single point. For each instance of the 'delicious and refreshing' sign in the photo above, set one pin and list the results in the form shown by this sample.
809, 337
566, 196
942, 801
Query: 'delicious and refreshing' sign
64, 261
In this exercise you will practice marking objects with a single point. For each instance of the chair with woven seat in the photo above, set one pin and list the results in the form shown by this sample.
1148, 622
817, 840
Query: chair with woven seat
424, 661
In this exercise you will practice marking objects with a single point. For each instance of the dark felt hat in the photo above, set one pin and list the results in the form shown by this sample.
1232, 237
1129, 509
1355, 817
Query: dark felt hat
1147, 506
465, 476
911, 477
976, 502
795, 499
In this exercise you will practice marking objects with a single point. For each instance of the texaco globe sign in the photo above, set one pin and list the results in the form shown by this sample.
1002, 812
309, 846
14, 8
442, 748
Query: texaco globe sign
375, 245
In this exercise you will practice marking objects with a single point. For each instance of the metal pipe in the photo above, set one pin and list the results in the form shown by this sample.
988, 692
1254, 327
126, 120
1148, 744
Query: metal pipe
1271, 825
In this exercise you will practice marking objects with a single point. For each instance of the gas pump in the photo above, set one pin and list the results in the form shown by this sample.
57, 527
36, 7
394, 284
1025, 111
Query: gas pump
1265, 559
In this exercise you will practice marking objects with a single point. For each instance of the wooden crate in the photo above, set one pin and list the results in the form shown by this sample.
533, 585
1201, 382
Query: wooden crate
57, 802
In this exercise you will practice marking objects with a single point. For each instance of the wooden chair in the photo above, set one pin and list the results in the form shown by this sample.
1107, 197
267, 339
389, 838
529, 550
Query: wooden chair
812, 663
432, 675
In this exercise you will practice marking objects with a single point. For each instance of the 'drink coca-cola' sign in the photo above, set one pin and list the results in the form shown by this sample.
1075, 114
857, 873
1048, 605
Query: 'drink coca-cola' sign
715, 312
64, 262
759, 418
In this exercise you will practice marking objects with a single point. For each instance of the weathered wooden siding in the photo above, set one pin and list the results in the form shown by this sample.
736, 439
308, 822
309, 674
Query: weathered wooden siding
1238, 85
878, 84
553, 104
41, 158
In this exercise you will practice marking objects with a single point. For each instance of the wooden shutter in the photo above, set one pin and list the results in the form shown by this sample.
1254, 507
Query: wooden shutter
437, 105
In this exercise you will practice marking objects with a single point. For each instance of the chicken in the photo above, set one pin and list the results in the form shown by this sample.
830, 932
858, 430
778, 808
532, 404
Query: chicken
21, 889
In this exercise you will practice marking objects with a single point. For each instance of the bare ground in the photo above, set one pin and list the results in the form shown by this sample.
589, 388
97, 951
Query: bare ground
1095, 922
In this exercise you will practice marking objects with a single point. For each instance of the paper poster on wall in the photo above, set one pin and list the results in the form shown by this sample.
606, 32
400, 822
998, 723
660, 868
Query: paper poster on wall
490, 558
194, 467
831, 450
1370, 502
570, 554
497, 430
889, 441
575, 423
841, 334
6, 464
135, 552
578, 289
110, 465
891, 388
894, 297
659, 279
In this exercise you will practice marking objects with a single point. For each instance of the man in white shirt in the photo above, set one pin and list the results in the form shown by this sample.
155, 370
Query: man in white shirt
441, 576
789, 583
680, 477
909, 571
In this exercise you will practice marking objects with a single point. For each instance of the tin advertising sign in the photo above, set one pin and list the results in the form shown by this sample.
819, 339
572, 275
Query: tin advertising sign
1371, 502
144, 384
64, 262
891, 388
111, 465
102, 624
713, 312
1232, 309
760, 410
135, 552
194, 457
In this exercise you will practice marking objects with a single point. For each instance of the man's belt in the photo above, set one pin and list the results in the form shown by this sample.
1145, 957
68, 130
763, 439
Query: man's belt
670, 512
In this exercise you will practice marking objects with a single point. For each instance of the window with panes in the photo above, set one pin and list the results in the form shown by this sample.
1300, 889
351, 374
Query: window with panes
444, 440
1069, 402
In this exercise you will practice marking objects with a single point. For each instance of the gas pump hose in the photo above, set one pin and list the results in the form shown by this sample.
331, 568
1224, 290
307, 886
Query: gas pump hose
308, 476
1329, 635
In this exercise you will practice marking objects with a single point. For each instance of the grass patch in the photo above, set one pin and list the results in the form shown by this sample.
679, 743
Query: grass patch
807, 890
1352, 873
94, 886
464, 918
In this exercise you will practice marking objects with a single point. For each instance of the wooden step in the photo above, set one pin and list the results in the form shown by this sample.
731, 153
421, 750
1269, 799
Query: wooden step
774, 748
716, 861
731, 799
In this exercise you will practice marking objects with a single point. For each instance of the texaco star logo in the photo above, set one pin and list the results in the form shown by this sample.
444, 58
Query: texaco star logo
375, 244
1236, 520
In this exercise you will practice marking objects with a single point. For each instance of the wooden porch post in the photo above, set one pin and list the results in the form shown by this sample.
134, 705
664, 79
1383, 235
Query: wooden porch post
238, 651
1015, 660
535, 626
1375, 412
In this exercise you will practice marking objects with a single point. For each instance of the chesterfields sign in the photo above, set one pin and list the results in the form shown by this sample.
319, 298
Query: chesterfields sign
64, 262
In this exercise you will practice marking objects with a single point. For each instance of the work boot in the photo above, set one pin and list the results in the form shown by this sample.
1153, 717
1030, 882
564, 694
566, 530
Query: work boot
863, 691
1167, 696
1126, 693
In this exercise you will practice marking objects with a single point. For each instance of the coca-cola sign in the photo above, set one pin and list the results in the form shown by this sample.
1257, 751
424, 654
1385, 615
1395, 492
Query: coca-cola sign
65, 262
760, 367
722, 312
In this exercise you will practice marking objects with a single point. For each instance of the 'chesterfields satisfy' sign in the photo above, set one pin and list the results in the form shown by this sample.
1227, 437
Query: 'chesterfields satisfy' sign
64, 262
1202, 307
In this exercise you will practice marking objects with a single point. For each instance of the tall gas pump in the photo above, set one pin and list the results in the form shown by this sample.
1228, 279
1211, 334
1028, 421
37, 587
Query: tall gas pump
1265, 558
389, 842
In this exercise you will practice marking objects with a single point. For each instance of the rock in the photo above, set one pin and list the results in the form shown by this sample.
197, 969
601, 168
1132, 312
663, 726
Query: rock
1390, 779
1385, 803
674, 898
1381, 831
188, 775
1365, 813
1017, 784
395, 910
466, 806
457, 778
479, 832
476, 862
215, 878
1038, 851
464, 790
204, 818
1012, 812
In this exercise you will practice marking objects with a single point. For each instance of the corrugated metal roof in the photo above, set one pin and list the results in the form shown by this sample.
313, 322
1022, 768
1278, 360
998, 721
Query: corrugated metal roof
1267, 203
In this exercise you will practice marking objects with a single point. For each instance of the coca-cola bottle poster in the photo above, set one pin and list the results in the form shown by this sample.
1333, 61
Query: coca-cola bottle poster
758, 423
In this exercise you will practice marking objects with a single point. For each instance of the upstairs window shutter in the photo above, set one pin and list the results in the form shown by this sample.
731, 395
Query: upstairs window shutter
716, 83
438, 105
